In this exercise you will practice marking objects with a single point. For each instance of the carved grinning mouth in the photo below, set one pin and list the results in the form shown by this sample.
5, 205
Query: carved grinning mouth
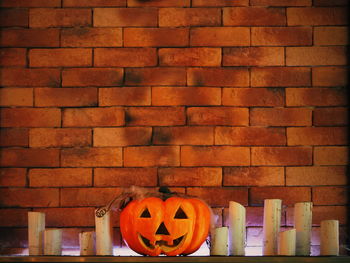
161, 243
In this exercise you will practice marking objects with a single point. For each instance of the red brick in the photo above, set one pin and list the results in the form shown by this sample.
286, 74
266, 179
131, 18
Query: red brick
190, 57
48, 37
281, 36
154, 37
289, 195
10, 177
152, 156
125, 177
131, 96
253, 176
174, 96
60, 17
16, 97
28, 117
197, 176
317, 136
220, 3
159, 3
231, 77
218, 116
330, 116
316, 175
316, 97
280, 117
125, 17
336, 155
60, 177
281, 2
155, 76
92, 77
220, 36
29, 157
66, 137
14, 217
249, 136
92, 117
26, 197
91, 37
329, 76
94, 3
91, 157
214, 156
280, 76
13, 17
281, 156
253, 97
14, 137
125, 57
331, 36
316, 16
124, 136
30, 3
182, 17
329, 195
184, 135
13, 57
253, 56
155, 116
254, 16
330, 3
218, 197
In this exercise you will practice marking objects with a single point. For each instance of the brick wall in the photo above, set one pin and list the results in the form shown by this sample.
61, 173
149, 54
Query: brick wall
223, 99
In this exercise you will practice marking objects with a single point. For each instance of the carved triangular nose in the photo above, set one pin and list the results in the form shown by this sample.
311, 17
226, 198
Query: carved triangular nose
162, 230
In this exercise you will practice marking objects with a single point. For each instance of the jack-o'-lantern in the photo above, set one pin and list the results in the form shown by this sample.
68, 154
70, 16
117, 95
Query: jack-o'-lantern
151, 226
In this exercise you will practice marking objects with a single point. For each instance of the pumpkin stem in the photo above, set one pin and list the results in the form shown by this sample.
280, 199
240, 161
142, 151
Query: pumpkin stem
166, 193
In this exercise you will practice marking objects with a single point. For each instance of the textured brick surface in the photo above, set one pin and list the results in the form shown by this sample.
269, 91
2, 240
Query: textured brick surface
281, 156
280, 117
253, 97
13, 57
331, 155
14, 137
13, 177
16, 97
125, 136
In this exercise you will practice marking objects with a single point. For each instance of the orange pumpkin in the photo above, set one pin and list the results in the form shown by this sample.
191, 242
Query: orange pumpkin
175, 226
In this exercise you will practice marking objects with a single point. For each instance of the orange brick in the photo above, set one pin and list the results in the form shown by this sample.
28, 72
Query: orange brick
62, 57
249, 136
280, 76
17, 37
333, 155
94, 3
66, 137
13, 17
30, 3
27, 117
281, 2
317, 136
183, 135
330, 116
155, 116
253, 97
289, 195
316, 175
29, 77
320, 213
331, 36
92, 117
329, 195
281, 156
316, 16
14, 217
220, 36
329, 76
59, 17
91, 37
218, 116
125, 177
281, 36
154, 37
182, 17
125, 57
190, 57
253, 176
152, 156
157, 3
60, 177
29, 157
125, 17
330, 3
218, 197
231, 77
155, 76
316, 97
25, 197
16, 97
122, 136
91, 157
13, 57
280, 117
10, 177
253, 56
185, 96
133, 96
254, 16
220, 3
92, 77
14, 137
196, 176
214, 156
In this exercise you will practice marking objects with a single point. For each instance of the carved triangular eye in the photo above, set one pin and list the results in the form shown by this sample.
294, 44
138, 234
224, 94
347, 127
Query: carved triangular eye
146, 213
180, 214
